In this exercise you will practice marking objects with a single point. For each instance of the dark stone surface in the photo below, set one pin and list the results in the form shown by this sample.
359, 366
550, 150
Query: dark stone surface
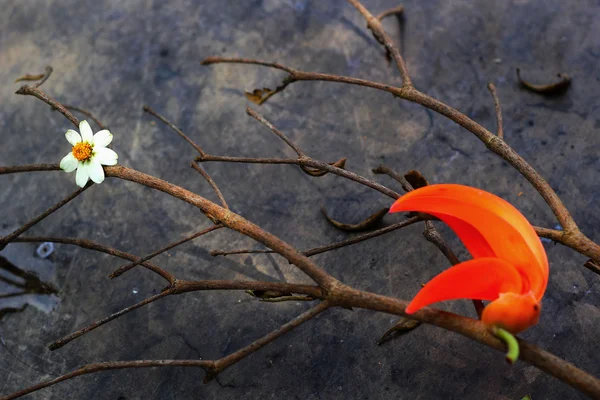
112, 57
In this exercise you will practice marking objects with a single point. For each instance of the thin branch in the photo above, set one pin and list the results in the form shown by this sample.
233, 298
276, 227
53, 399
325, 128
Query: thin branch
180, 286
374, 24
27, 90
341, 295
592, 266
88, 244
174, 128
333, 246
493, 142
87, 114
307, 162
47, 74
382, 169
238, 60
57, 344
212, 184
551, 234
124, 268
499, 125
212, 367
262, 120
399, 10
107, 366
225, 362
8, 238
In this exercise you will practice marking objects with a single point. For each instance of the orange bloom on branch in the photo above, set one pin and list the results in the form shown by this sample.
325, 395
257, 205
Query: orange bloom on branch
509, 265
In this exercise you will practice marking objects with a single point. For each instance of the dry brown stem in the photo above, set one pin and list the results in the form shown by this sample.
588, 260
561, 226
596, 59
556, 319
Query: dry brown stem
328, 291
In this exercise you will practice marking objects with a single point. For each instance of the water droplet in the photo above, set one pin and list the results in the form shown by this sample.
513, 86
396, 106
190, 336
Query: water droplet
135, 290
45, 249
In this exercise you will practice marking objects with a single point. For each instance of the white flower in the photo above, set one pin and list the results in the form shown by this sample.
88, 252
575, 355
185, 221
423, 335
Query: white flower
88, 155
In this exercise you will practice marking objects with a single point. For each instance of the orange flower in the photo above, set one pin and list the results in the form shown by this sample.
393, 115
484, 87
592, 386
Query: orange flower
509, 265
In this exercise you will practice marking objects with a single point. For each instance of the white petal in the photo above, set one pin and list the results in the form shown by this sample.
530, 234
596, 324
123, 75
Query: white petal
86, 131
105, 156
96, 171
102, 138
73, 137
69, 163
82, 175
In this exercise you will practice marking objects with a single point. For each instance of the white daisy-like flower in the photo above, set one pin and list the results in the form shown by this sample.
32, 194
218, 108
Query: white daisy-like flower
89, 154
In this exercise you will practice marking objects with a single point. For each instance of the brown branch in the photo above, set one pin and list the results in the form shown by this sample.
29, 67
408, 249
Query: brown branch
399, 10
219, 60
124, 268
205, 174
225, 362
107, 366
212, 367
87, 114
592, 266
263, 120
57, 344
333, 246
180, 286
302, 161
578, 241
34, 91
9, 238
88, 244
342, 295
499, 125
551, 234
214, 212
212, 184
174, 128
382, 169
374, 24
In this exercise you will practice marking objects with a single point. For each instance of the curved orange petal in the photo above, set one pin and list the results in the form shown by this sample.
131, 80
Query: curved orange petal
481, 279
487, 225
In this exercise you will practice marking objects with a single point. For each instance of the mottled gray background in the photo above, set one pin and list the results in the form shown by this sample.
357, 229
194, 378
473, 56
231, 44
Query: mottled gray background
113, 56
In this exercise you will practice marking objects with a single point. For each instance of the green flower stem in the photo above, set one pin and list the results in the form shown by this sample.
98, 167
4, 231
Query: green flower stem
511, 342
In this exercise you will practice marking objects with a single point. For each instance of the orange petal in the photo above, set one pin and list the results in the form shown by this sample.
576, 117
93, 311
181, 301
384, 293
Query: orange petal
487, 225
481, 279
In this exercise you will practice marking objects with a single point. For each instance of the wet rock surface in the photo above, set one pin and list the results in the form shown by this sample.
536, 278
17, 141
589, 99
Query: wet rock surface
114, 57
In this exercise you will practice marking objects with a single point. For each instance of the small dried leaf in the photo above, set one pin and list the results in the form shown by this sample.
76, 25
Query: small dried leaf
30, 77
341, 163
403, 326
364, 225
259, 96
550, 89
415, 178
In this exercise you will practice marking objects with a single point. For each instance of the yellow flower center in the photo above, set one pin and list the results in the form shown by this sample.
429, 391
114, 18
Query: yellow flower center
82, 151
